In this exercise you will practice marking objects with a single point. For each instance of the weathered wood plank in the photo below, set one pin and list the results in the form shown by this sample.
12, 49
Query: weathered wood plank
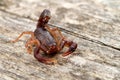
90, 19
87, 62
90, 28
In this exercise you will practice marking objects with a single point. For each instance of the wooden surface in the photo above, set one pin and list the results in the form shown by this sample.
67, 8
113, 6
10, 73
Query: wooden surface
93, 25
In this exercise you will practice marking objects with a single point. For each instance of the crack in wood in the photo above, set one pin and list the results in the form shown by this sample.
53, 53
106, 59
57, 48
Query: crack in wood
67, 31
85, 37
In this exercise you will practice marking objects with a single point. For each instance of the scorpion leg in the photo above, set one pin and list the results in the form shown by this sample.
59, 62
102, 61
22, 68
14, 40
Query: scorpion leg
59, 41
29, 45
56, 33
26, 32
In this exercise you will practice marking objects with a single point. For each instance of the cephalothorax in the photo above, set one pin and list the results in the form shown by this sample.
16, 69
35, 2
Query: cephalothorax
46, 39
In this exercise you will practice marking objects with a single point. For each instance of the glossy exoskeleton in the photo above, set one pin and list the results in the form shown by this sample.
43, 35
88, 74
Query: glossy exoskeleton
46, 39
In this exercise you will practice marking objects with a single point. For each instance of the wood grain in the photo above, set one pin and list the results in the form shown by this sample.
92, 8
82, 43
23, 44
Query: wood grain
91, 24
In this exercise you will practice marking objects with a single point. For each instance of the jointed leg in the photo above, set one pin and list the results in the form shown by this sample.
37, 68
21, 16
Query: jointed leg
29, 44
56, 29
29, 49
27, 32
57, 35
52, 32
72, 47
